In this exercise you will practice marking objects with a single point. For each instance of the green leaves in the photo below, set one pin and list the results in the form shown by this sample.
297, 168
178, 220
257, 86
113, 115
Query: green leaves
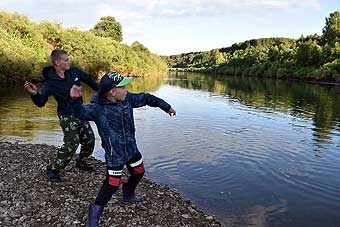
331, 31
26, 46
109, 27
309, 57
308, 53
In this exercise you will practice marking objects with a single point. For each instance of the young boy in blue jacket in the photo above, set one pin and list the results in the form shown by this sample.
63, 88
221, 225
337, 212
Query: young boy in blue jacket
111, 109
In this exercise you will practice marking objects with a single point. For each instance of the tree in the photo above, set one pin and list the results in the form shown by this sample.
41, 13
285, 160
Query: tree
274, 53
331, 31
108, 27
308, 53
51, 32
216, 57
139, 47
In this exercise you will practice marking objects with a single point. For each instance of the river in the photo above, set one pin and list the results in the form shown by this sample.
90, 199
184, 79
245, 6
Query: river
252, 152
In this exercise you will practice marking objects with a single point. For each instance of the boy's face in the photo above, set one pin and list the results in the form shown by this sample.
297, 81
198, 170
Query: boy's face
64, 62
120, 93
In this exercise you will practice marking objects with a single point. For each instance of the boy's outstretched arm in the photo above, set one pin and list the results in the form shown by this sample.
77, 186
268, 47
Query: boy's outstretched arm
143, 99
83, 112
88, 80
38, 98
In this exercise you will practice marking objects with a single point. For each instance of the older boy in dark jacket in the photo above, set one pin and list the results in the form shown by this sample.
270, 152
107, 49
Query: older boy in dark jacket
59, 78
112, 111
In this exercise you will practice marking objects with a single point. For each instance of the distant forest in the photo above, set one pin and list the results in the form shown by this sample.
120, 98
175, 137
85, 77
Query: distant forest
311, 57
26, 47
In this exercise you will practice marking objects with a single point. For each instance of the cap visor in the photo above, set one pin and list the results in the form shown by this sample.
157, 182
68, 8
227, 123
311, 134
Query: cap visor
124, 82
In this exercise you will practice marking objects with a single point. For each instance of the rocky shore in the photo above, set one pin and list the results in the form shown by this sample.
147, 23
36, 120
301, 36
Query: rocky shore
27, 198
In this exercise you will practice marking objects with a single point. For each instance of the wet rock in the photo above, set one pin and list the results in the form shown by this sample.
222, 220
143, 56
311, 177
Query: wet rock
27, 198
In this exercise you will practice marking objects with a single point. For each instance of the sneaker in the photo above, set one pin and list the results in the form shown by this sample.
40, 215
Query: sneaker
81, 164
53, 175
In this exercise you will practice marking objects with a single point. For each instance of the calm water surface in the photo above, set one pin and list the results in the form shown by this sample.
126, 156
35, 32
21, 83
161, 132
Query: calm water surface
253, 152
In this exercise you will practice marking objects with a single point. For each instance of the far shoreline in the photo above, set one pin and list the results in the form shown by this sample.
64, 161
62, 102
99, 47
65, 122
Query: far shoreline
14, 81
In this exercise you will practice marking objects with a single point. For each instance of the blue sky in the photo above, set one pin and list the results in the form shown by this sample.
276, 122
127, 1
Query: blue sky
179, 26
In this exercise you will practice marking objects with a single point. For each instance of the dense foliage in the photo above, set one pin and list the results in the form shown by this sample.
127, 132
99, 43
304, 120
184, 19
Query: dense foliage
26, 46
109, 27
313, 57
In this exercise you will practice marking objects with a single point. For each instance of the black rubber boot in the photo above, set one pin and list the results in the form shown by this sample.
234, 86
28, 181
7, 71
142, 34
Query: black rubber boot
81, 164
53, 175
95, 211
129, 195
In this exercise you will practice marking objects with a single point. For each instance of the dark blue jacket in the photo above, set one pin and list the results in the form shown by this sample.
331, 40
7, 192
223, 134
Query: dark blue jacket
115, 123
60, 88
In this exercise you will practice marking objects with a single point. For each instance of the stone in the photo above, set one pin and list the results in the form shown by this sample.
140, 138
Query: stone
29, 199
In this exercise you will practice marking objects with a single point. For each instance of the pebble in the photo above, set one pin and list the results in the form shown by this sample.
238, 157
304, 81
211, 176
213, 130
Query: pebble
29, 199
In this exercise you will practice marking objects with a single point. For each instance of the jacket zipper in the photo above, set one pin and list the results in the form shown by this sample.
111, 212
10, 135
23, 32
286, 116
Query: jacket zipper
124, 132
110, 145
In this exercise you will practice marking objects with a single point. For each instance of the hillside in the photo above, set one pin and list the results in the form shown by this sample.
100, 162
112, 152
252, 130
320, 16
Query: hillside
312, 57
26, 46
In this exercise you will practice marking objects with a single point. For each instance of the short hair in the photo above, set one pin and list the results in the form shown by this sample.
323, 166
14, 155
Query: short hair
56, 55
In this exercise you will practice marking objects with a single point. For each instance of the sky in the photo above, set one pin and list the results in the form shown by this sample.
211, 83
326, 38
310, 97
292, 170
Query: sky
169, 27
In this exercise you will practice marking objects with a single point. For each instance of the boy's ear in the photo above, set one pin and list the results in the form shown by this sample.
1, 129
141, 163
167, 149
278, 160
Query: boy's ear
57, 63
112, 92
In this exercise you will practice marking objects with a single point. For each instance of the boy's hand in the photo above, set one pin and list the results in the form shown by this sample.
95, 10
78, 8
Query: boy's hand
172, 112
75, 92
30, 88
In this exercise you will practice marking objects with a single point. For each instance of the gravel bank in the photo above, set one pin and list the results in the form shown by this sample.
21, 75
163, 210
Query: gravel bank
27, 198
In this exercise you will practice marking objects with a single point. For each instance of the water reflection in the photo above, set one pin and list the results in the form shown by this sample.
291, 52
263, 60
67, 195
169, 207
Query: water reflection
21, 118
319, 103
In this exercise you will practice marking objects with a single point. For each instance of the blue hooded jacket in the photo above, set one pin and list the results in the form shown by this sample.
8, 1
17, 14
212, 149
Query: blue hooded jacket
60, 88
115, 123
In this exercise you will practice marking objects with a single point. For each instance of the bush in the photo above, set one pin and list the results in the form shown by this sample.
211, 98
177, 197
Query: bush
333, 66
282, 73
305, 72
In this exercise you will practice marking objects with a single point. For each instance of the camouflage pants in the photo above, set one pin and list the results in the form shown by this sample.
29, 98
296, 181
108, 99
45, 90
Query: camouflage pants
75, 132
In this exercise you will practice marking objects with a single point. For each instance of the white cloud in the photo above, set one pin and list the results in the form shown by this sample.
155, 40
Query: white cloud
152, 8
212, 7
142, 19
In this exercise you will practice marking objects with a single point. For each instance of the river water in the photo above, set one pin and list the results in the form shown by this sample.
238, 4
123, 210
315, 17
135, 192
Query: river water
253, 152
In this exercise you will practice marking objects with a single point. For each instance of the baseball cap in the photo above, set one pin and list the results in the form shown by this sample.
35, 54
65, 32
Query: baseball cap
111, 80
